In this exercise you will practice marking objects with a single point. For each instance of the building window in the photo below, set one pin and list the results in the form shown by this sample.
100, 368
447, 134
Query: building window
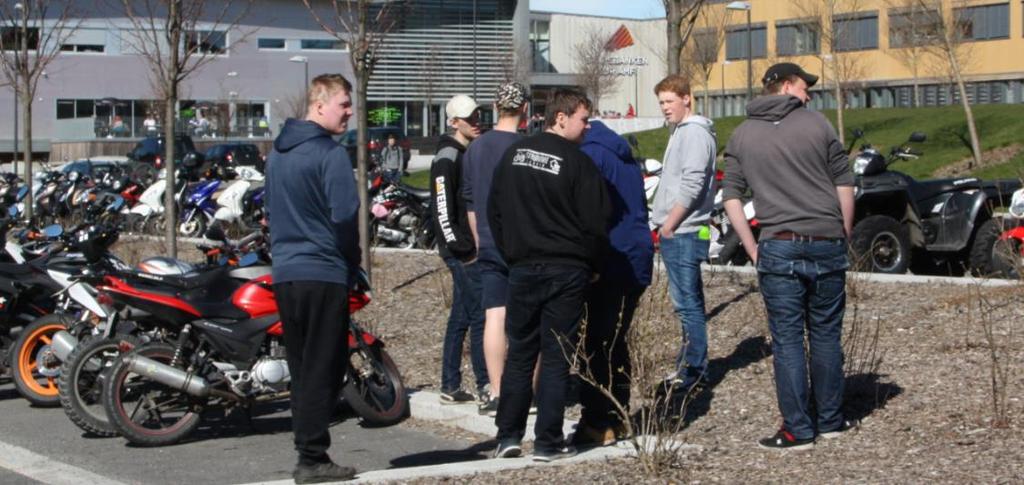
65, 109
984, 22
913, 28
540, 44
736, 42
270, 43
323, 44
10, 38
855, 32
207, 41
796, 39
82, 47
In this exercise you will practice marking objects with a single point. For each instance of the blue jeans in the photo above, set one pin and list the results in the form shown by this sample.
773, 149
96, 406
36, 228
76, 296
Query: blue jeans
804, 286
682, 255
466, 315
545, 305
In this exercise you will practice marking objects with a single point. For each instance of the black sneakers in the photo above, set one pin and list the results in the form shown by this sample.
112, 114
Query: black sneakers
323, 472
508, 448
489, 408
845, 426
457, 396
558, 453
785, 441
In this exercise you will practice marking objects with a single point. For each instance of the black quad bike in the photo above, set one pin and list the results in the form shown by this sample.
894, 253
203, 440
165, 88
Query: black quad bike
932, 223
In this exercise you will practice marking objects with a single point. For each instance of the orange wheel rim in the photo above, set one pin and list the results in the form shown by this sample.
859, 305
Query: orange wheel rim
44, 386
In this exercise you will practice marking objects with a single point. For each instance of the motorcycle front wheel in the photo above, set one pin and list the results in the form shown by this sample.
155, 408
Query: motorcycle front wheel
35, 366
145, 412
374, 389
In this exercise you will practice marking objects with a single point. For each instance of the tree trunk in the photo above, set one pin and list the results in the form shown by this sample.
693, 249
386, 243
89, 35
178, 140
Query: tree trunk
707, 99
170, 108
674, 13
26, 134
839, 114
972, 130
362, 132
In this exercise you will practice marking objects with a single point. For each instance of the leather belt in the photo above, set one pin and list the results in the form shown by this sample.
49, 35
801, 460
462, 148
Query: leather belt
792, 236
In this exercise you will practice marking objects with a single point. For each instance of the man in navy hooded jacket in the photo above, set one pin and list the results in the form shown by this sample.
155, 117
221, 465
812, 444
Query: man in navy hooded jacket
626, 275
312, 210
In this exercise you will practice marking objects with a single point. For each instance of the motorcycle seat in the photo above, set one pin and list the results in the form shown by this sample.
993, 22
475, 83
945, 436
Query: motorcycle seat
926, 189
209, 292
421, 194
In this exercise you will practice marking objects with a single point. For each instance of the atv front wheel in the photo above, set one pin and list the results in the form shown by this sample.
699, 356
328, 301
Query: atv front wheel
880, 245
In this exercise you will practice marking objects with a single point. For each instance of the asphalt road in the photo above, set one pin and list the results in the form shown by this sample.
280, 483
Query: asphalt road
232, 451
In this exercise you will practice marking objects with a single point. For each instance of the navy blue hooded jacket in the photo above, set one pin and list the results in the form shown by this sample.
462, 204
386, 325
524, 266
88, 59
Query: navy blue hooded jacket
632, 251
312, 206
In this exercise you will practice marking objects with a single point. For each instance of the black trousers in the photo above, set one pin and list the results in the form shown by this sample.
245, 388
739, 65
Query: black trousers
610, 309
316, 321
545, 304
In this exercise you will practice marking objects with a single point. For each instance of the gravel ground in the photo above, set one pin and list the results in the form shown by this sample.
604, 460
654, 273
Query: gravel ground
926, 408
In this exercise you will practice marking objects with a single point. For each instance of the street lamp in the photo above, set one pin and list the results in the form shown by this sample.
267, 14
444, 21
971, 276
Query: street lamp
750, 46
305, 62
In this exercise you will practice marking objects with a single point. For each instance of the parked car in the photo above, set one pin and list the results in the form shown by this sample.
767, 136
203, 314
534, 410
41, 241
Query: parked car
378, 138
232, 154
148, 155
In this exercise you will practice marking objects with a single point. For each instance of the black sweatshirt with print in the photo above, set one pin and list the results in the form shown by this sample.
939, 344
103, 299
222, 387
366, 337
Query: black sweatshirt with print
451, 226
549, 204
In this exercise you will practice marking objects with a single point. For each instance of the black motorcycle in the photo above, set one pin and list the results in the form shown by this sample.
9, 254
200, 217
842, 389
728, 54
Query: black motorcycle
400, 217
900, 220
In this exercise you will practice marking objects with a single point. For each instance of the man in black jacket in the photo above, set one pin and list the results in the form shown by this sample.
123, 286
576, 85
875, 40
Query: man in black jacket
548, 211
457, 248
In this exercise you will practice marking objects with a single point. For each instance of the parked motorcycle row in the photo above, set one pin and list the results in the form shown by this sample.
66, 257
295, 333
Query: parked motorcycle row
229, 196
148, 352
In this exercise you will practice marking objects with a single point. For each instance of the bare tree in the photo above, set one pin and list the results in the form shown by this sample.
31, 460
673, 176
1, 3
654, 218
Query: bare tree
700, 55
363, 25
681, 16
33, 32
176, 38
596, 67
516, 65
831, 20
951, 46
911, 33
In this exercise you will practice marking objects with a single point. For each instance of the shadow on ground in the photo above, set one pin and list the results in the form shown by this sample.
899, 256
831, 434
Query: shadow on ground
867, 393
478, 451
747, 352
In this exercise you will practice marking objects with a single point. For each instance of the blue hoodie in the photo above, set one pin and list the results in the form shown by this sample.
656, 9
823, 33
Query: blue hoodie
632, 253
312, 206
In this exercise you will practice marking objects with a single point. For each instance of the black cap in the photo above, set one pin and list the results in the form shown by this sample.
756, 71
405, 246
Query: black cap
783, 70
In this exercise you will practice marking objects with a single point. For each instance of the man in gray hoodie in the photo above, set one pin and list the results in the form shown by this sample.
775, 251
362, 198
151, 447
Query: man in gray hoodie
682, 208
791, 159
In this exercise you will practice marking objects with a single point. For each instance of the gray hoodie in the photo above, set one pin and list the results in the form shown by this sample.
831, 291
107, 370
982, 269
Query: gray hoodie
688, 175
791, 159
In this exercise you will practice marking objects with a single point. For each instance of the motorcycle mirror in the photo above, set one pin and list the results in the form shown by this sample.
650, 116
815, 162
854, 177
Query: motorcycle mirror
53, 231
216, 233
858, 133
248, 260
918, 137
191, 160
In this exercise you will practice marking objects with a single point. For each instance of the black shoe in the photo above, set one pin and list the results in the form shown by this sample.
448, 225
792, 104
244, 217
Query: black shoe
508, 448
845, 426
785, 441
490, 408
323, 472
457, 396
548, 455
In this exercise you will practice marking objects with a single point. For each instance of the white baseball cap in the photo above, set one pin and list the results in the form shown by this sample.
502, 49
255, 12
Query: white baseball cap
460, 106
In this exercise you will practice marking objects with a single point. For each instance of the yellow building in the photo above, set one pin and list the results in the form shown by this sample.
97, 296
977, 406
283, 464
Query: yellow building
871, 53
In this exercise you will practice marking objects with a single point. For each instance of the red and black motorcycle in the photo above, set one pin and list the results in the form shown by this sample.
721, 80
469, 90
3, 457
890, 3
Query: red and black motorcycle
1008, 250
229, 353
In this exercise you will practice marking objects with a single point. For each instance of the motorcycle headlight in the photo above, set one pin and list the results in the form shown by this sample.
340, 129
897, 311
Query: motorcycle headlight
859, 164
1017, 204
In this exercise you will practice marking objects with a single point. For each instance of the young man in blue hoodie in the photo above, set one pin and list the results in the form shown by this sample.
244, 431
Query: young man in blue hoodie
312, 210
682, 207
613, 299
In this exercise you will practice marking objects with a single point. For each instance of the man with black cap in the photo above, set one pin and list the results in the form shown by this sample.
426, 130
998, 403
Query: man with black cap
792, 161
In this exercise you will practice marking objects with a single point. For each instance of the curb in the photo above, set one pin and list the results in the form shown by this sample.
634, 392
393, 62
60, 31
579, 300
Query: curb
427, 405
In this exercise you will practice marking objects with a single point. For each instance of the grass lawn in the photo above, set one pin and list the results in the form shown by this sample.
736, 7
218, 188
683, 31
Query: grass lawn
999, 125
418, 178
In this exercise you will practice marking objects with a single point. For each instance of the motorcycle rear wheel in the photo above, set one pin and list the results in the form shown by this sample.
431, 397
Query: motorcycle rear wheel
374, 389
81, 382
148, 413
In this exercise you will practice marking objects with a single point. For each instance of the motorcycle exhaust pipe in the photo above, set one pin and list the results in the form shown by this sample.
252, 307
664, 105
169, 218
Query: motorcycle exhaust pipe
390, 235
168, 376
62, 344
